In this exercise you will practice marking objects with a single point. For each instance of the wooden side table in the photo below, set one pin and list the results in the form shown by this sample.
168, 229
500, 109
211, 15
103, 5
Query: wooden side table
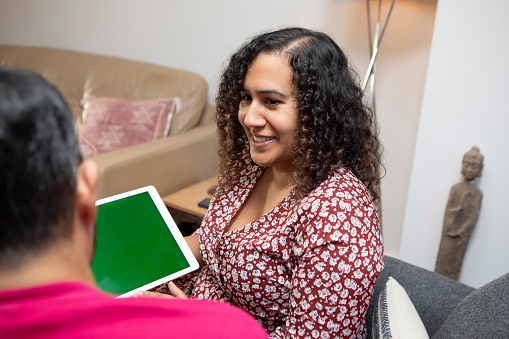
183, 204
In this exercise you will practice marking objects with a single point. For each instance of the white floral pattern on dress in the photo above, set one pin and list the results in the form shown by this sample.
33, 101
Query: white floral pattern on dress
306, 269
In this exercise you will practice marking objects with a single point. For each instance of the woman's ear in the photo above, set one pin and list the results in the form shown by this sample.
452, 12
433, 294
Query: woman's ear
86, 191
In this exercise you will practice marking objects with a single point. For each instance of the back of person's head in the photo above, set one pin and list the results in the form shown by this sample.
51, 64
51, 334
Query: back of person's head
39, 156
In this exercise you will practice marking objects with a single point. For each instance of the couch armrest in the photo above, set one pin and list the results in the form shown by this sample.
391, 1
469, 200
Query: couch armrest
208, 115
168, 164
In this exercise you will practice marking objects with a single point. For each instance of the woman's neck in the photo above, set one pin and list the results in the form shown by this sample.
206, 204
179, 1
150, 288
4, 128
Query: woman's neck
279, 180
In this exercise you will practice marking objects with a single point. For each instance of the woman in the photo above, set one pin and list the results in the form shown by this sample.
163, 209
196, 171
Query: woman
291, 234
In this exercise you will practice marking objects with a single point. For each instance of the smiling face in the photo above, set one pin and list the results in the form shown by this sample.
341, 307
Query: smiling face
472, 167
268, 112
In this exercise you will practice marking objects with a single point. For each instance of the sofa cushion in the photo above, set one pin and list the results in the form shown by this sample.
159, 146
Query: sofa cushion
433, 295
395, 316
483, 314
76, 74
114, 123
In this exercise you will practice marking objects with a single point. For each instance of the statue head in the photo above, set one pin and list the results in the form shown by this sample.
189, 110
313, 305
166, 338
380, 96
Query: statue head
472, 164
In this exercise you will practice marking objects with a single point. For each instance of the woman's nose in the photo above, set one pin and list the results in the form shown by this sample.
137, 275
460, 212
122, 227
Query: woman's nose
254, 115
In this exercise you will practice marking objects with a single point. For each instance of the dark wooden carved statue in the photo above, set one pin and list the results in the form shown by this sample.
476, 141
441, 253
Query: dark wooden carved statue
460, 217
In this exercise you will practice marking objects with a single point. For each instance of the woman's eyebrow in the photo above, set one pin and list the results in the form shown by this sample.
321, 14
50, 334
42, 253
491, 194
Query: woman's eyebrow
268, 91
272, 91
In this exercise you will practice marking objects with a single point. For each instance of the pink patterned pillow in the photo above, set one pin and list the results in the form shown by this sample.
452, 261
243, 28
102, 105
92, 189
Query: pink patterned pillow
114, 123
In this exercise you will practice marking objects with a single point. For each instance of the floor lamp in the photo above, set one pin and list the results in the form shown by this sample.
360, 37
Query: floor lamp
374, 45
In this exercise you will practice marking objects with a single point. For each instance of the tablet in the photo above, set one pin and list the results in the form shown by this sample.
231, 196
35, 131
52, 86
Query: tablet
138, 245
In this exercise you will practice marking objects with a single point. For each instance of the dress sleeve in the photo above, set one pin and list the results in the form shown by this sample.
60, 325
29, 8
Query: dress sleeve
337, 255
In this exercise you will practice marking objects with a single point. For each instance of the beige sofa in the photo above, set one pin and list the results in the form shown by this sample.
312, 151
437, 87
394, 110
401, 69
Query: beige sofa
186, 156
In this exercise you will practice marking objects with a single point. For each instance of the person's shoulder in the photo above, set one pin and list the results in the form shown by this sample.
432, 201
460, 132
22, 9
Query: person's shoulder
338, 198
194, 318
344, 180
341, 184
157, 318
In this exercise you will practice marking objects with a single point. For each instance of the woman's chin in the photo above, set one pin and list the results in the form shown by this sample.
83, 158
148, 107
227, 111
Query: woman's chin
261, 160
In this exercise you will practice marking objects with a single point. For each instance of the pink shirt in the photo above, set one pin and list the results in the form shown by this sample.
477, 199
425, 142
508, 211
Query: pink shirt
306, 269
76, 310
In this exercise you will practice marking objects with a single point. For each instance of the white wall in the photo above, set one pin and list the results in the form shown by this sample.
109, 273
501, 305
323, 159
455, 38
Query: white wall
401, 70
466, 103
195, 35
200, 35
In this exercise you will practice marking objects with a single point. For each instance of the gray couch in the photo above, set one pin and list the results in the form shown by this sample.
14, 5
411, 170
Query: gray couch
447, 308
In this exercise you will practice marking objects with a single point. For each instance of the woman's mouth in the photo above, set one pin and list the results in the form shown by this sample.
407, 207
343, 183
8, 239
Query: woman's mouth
261, 139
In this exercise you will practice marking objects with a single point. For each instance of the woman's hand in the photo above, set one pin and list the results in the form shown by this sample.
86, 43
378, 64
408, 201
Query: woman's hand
176, 293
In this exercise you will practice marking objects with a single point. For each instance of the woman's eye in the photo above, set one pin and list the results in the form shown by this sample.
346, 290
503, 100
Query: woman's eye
272, 102
245, 97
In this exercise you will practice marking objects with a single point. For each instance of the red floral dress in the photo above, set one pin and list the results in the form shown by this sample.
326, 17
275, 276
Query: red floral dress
306, 269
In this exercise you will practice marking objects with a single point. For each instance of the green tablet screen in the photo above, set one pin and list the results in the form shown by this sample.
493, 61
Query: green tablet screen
135, 246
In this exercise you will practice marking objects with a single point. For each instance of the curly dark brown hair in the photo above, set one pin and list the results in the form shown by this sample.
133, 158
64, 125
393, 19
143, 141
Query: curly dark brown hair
335, 126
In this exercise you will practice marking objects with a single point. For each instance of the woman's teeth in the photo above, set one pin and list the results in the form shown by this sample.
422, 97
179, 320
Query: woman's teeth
260, 139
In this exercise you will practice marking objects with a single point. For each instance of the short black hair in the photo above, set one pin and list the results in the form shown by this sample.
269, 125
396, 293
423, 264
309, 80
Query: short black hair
39, 156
